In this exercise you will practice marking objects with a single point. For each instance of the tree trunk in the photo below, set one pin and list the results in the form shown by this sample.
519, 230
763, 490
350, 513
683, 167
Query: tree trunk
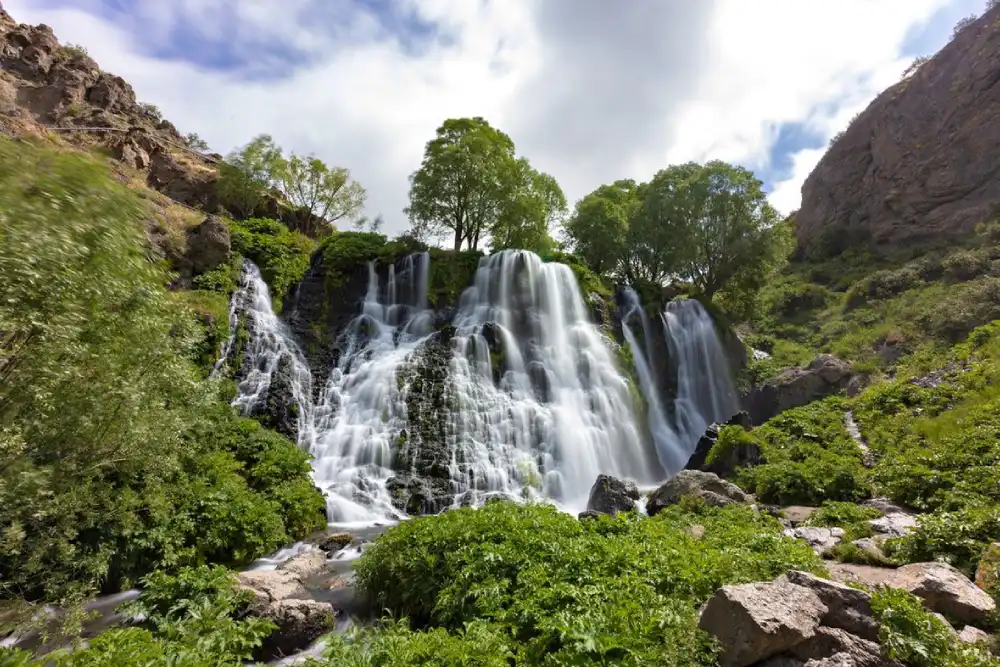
458, 238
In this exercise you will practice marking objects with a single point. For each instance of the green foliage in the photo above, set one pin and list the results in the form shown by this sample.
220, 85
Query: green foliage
282, 255
598, 227
852, 518
194, 142
555, 590
451, 273
958, 537
915, 637
589, 281
151, 111
191, 621
114, 459
327, 193
810, 458
247, 175
471, 183
75, 50
477, 644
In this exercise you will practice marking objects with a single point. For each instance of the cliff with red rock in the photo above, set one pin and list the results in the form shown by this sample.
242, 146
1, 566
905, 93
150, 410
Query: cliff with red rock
919, 166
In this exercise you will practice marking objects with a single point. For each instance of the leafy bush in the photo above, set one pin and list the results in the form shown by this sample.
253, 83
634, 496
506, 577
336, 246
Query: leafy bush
917, 638
106, 468
966, 264
190, 621
282, 255
810, 458
852, 518
556, 590
958, 537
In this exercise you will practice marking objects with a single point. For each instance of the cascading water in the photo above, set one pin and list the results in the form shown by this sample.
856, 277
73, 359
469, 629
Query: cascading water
704, 391
270, 350
672, 451
363, 408
540, 407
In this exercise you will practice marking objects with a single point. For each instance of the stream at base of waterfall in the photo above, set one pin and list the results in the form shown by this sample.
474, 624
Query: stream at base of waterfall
534, 404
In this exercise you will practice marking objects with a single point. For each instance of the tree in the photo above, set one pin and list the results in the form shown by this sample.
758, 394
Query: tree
709, 224
532, 204
247, 174
600, 222
462, 181
328, 193
962, 24
194, 142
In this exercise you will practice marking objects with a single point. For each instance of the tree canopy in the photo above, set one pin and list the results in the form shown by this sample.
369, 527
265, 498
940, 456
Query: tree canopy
472, 184
710, 225
307, 183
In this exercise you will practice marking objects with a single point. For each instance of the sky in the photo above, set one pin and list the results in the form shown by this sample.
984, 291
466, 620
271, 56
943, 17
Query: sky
589, 90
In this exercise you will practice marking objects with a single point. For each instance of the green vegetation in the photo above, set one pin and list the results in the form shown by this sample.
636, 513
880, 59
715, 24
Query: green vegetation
320, 195
538, 584
709, 225
281, 255
472, 184
916, 638
809, 457
192, 619
115, 459
875, 312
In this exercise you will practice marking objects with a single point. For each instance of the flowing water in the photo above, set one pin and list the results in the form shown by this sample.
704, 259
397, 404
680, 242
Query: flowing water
704, 392
534, 405
541, 408
363, 408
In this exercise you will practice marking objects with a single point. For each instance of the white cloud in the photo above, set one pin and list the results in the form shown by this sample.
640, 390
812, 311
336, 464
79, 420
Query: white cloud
589, 93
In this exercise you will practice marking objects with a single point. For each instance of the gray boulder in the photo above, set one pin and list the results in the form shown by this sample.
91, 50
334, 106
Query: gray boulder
944, 589
754, 622
611, 495
705, 486
794, 387
821, 539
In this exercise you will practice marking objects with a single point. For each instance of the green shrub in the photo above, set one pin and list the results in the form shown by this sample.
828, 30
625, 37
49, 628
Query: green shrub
915, 637
958, 537
965, 265
849, 516
282, 255
809, 458
883, 284
621, 590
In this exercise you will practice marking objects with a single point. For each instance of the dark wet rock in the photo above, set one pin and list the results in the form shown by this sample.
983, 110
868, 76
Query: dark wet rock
299, 623
705, 486
278, 408
335, 542
795, 387
420, 495
588, 514
610, 495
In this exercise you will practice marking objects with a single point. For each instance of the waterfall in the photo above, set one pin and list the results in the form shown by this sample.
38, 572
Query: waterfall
269, 351
704, 389
540, 407
363, 408
671, 450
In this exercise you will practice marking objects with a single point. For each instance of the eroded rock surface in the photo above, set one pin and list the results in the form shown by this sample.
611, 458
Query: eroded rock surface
611, 495
919, 164
944, 589
704, 486
794, 387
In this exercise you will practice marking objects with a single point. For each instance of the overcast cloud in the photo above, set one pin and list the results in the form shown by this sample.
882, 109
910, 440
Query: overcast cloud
589, 90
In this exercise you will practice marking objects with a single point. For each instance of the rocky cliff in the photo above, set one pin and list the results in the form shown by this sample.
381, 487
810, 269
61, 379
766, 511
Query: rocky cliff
920, 164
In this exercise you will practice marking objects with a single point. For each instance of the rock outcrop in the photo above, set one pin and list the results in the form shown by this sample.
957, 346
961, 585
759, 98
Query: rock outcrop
611, 495
919, 164
794, 387
944, 589
703, 486
797, 620
280, 596
742, 455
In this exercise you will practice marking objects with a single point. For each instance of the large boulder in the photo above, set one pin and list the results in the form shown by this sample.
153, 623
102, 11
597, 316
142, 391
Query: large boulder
611, 495
794, 387
753, 622
744, 454
848, 608
944, 589
280, 595
919, 164
704, 486
208, 245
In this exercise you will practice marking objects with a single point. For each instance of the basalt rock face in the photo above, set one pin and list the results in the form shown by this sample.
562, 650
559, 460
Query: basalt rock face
919, 165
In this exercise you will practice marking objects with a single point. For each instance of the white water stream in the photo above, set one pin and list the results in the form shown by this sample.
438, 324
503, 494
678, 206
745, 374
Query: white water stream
536, 406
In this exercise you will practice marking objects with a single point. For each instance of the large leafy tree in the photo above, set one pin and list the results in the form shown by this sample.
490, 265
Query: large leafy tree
328, 193
532, 204
598, 227
463, 181
247, 174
